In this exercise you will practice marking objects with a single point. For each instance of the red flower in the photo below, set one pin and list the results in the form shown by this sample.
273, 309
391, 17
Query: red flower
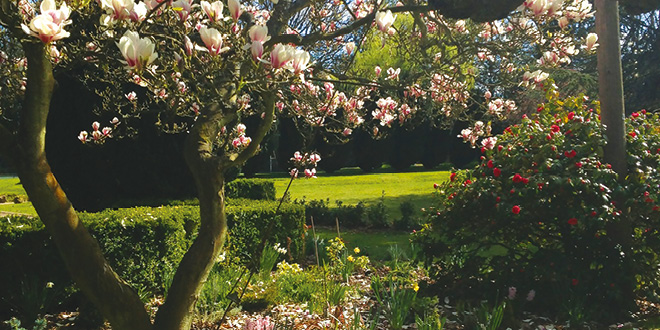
578, 164
574, 282
515, 209
554, 128
498, 199
520, 178
539, 109
436, 186
499, 148
572, 221
490, 164
570, 154
497, 172
452, 176
571, 115
593, 213
632, 134
634, 114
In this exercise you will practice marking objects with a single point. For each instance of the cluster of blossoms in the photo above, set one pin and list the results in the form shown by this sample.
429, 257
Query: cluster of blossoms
99, 135
279, 249
479, 129
241, 140
306, 162
259, 323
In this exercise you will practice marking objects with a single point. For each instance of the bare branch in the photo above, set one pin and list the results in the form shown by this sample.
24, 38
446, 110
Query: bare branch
314, 37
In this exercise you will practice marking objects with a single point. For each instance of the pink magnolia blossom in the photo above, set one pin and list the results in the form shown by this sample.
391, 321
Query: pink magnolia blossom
138, 52
213, 10
280, 56
259, 33
489, 142
49, 24
299, 61
83, 136
234, 9
182, 8
591, 41
212, 40
310, 173
116, 10
384, 20
257, 50
139, 12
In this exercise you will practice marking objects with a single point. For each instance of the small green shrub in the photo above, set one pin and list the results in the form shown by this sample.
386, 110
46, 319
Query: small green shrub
250, 220
377, 214
251, 189
349, 216
408, 220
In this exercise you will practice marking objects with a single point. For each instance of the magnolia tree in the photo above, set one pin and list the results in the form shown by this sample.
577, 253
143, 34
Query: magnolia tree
207, 65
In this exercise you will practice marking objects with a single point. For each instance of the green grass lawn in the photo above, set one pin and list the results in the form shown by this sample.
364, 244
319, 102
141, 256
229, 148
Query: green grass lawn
375, 244
11, 185
352, 186
349, 185
23, 208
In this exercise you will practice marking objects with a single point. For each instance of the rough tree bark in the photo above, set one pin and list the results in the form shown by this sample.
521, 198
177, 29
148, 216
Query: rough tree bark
610, 83
207, 167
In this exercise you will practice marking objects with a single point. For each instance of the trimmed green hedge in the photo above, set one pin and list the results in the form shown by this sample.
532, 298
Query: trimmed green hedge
251, 189
144, 245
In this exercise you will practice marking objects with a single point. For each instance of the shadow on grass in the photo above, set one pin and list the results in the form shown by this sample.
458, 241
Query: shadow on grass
352, 171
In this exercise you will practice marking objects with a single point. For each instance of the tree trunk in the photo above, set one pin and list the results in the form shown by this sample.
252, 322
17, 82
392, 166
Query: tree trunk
610, 84
192, 272
610, 93
80, 251
207, 168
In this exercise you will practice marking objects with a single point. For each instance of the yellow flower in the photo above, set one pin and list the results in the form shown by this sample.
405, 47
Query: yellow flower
356, 250
416, 287
350, 258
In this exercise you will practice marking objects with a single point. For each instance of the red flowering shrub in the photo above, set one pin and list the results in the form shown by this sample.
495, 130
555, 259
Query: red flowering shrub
535, 213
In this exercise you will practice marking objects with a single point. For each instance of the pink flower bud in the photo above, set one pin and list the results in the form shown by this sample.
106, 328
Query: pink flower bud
96, 126
350, 47
83, 136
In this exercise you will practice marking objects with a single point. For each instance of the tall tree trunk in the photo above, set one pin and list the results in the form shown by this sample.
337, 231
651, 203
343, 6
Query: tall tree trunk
207, 167
610, 90
610, 84
80, 251
207, 170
